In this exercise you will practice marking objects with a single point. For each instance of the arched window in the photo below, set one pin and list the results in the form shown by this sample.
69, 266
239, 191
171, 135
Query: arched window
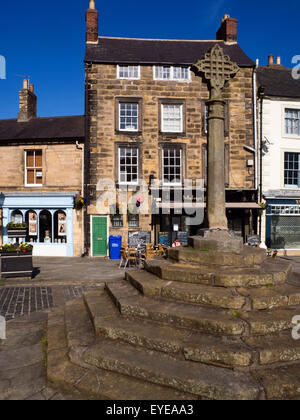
60, 227
45, 226
17, 216
31, 219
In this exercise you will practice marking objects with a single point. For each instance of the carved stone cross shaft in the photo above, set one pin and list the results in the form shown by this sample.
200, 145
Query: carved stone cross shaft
217, 68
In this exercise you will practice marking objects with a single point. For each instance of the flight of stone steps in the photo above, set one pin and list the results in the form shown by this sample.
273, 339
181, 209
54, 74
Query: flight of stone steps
198, 325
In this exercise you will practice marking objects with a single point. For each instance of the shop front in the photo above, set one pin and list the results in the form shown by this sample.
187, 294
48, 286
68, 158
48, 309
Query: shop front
48, 222
283, 224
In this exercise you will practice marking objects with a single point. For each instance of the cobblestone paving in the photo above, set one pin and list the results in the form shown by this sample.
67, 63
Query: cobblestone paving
19, 301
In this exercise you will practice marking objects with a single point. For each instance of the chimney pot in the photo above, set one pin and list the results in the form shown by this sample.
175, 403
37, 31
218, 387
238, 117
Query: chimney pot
278, 61
31, 88
25, 84
92, 4
228, 30
270, 60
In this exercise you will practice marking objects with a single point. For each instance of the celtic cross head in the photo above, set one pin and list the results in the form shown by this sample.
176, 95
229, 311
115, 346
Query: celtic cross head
217, 68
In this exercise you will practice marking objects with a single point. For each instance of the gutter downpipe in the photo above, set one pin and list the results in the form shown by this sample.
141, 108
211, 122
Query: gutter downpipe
261, 96
255, 125
83, 194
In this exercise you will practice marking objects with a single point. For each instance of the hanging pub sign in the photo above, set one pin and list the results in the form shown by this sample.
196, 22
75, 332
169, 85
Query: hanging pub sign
62, 228
32, 225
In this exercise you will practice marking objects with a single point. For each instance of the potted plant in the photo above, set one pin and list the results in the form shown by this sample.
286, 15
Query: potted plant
16, 230
16, 260
79, 202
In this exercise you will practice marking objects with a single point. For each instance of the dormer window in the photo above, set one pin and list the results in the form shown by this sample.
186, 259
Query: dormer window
177, 73
128, 72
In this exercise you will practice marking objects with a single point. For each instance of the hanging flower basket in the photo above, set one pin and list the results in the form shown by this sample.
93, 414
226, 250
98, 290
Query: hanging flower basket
79, 202
263, 207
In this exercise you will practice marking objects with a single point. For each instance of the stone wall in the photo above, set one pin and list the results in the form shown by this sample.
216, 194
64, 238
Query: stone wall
62, 168
103, 89
62, 172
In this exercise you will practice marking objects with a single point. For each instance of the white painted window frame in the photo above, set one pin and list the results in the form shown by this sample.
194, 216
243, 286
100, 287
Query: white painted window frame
290, 186
285, 106
128, 78
25, 164
172, 74
119, 166
163, 130
174, 184
131, 129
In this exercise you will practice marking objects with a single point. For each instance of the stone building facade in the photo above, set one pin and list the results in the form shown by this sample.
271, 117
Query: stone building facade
146, 120
279, 122
41, 170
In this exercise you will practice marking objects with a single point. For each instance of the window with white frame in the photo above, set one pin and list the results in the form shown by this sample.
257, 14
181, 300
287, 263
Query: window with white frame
292, 170
171, 73
128, 165
292, 121
33, 168
128, 116
172, 166
171, 118
129, 72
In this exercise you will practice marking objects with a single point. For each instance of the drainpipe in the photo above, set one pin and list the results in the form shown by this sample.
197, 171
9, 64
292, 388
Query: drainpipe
78, 147
261, 92
255, 124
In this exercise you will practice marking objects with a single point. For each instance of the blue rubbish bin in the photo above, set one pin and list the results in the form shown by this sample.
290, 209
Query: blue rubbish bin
115, 243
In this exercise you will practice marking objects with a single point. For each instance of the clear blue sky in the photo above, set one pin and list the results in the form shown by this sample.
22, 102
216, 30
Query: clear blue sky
46, 40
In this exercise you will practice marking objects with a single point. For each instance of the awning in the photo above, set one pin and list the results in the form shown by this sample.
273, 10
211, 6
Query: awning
242, 205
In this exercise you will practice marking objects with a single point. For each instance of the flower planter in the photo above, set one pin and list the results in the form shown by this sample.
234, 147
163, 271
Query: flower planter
16, 264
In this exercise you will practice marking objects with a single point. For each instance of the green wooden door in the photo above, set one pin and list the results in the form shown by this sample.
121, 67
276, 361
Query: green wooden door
99, 229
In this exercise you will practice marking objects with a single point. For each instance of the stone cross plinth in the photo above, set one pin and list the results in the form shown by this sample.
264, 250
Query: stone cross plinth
216, 68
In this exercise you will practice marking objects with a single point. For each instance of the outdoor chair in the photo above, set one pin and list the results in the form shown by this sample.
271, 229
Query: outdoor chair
128, 255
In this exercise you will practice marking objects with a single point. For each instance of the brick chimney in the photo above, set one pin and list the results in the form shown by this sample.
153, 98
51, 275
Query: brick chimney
228, 30
92, 24
28, 100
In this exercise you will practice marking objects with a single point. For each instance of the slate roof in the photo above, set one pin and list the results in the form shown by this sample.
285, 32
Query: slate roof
43, 128
151, 51
278, 82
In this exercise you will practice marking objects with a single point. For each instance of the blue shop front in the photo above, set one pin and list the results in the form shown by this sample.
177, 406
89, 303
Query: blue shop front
49, 220
283, 224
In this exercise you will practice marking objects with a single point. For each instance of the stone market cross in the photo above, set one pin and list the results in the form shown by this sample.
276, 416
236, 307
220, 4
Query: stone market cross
217, 69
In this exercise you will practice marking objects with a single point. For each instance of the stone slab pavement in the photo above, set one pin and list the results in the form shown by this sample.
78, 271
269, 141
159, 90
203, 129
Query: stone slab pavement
25, 304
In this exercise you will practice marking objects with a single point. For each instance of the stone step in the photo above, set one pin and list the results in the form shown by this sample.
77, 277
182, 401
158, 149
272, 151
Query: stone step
207, 320
179, 342
79, 328
282, 383
272, 296
247, 258
277, 348
181, 272
271, 273
150, 285
270, 321
204, 319
204, 381
67, 376
167, 339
